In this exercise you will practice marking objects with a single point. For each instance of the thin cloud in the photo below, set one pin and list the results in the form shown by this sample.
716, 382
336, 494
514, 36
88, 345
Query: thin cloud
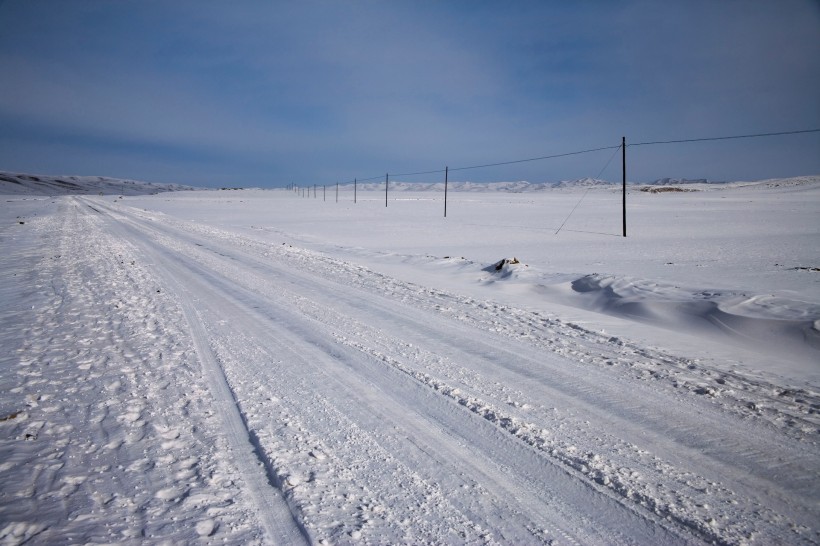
315, 89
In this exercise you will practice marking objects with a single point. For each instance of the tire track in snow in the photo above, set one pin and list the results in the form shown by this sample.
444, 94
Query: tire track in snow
279, 522
703, 436
581, 495
272, 509
336, 376
506, 490
409, 323
591, 465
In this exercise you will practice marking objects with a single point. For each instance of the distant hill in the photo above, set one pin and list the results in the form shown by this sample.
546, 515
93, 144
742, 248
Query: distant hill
520, 186
523, 186
681, 181
28, 184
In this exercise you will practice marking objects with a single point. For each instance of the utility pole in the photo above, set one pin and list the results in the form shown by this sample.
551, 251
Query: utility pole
446, 176
623, 200
354, 190
386, 183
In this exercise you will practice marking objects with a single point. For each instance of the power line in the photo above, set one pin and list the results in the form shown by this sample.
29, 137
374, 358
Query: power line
608, 162
649, 143
586, 192
379, 177
438, 171
534, 158
423, 172
724, 137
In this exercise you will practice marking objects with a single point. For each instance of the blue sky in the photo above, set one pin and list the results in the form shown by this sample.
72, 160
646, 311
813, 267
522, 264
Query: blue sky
264, 93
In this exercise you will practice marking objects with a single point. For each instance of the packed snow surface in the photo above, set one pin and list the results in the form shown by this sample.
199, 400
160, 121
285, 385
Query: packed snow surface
285, 367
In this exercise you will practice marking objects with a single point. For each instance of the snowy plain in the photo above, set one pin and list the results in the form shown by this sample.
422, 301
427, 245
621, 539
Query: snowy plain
275, 366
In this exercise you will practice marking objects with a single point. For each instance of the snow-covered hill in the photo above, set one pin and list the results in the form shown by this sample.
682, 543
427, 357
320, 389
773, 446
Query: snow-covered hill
36, 184
30, 184
520, 186
523, 186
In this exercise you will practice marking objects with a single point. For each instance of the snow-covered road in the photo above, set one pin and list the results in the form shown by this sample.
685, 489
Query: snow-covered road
172, 380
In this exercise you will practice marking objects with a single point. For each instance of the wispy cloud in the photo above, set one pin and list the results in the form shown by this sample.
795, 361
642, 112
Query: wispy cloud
320, 89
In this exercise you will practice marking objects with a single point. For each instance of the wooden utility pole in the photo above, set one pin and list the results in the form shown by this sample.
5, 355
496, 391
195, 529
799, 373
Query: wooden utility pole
446, 176
623, 201
386, 183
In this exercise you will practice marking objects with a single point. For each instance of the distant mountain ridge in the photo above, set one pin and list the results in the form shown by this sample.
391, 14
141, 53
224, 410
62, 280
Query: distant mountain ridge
29, 184
517, 186
524, 186
681, 181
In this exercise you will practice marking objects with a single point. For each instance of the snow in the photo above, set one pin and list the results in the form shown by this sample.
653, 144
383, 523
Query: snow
256, 366
29, 184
